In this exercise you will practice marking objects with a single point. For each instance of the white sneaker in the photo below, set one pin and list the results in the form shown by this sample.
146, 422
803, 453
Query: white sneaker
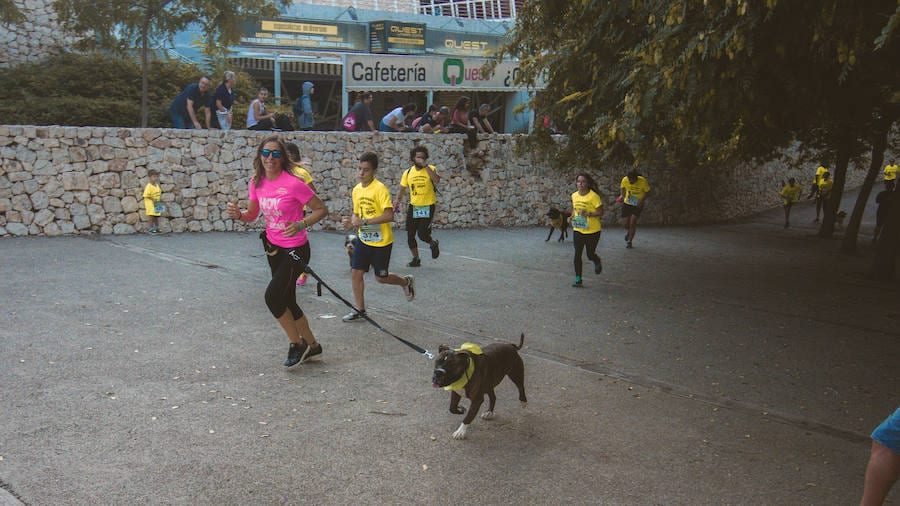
409, 289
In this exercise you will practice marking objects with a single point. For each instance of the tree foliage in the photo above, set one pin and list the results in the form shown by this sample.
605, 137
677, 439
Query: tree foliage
705, 82
145, 24
9, 13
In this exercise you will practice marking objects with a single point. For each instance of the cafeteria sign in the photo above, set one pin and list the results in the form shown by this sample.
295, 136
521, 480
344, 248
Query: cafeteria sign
374, 73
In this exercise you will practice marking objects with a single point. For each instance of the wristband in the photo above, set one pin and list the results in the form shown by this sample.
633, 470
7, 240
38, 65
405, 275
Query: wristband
302, 224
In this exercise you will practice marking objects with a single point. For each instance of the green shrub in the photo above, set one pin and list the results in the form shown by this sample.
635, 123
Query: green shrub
98, 89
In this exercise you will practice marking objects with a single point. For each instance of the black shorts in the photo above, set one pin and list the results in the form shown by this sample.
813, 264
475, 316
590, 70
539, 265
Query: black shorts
628, 210
378, 257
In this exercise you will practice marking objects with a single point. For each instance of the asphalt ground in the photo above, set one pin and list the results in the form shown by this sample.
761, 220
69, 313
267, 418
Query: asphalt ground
739, 363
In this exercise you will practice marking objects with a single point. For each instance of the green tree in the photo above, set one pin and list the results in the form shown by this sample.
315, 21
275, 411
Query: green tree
705, 82
143, 24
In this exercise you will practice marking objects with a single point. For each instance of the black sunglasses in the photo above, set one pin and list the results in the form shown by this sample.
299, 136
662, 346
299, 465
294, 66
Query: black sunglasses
266, 152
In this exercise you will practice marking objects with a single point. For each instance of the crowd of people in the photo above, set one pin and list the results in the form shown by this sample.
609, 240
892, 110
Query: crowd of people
217, 105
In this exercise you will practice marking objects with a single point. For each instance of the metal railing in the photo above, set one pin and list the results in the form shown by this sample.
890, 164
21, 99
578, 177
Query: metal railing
472, 9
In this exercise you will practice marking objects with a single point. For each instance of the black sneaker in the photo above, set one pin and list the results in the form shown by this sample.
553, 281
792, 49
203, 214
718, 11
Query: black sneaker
415, 262
311, 352
295, 354
355, 316
629, 246
435, 249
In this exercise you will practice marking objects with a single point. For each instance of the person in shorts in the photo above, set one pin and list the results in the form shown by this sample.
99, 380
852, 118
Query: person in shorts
421, 179
373, 213
632, 194
884, 461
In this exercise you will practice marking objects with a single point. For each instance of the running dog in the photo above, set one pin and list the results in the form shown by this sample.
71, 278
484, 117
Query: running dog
839, 219
474, 371
348, 245
558, 219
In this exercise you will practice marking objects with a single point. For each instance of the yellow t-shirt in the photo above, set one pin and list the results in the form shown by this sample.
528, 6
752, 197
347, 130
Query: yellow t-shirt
791, 194
152, 194
303, 174
818, 178
370, 202
587, 203
634, 193
890, 172
421, 188
825, 187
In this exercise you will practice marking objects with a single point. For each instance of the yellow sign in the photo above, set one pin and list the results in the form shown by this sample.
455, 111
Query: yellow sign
276, 26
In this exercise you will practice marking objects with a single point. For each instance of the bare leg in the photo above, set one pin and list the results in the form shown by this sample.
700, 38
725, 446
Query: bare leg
286, 320
881, 473
392, 279
359, 288
305, 332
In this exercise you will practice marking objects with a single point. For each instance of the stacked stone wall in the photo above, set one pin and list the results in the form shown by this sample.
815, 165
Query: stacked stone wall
39, 36
77, 180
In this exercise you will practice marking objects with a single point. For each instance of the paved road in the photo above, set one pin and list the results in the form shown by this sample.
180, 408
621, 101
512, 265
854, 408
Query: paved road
740, 363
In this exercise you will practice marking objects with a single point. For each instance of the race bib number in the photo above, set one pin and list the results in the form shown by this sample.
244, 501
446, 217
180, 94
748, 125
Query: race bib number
632, 200
579, 221
159, 208
370, 233
421, 211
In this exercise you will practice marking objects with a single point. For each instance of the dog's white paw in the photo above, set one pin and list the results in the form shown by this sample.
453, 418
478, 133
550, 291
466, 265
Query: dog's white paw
460, 432
487, 415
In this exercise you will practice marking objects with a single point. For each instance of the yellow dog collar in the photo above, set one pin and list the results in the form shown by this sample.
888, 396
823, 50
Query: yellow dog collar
474, 349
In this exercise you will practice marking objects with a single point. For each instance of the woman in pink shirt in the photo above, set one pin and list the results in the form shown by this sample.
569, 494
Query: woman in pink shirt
459, 121
281, 195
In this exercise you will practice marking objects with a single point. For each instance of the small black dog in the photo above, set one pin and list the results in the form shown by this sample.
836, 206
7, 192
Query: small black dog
558, 219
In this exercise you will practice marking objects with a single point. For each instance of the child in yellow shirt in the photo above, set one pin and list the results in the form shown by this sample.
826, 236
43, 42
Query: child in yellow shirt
152, 204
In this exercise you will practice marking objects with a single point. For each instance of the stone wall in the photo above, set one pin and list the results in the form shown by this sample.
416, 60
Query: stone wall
35, 38
76, 180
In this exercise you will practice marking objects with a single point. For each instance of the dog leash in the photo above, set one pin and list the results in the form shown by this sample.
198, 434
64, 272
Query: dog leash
320, 283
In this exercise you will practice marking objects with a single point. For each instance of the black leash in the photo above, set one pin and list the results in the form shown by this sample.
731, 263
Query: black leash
320, 283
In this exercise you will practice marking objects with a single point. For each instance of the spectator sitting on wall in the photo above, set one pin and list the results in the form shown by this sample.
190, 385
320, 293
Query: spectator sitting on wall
433, 121
257, 117
459, 121
480, 119
183, 109
395, 121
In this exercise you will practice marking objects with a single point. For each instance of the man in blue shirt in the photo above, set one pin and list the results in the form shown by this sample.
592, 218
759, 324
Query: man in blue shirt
185, 106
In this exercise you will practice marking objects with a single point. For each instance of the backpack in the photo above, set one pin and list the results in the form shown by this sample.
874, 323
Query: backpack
349, 122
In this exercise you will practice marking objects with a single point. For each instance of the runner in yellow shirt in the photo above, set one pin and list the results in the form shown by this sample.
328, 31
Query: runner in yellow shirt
890, 171
373, 213
421, 179
816, 190
632, 194
587, 208
790, 195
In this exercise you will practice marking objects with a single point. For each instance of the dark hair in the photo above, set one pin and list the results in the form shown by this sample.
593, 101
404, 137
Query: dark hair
433, 107
365, 96
409, 108
462, 104
791, 180
592, 185
262, 88
293, 151
152, 172
370, 158
633, 174
418, 149
259, 170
